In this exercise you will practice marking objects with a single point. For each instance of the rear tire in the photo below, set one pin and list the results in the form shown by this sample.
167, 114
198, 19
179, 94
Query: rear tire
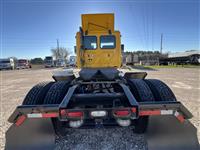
141, 90
160, 90
141, 125
142, 93
57, 92
36, 95
55, 95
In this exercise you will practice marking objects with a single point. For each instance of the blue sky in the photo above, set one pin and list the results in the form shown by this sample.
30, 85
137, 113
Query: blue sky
29, 28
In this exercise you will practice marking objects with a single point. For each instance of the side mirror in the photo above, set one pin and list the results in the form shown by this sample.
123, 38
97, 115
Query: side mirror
82, 47
75, 49
122, 47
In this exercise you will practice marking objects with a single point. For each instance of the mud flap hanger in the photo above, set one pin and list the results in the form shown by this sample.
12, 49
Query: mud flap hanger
16, 136
164, 108
156, 108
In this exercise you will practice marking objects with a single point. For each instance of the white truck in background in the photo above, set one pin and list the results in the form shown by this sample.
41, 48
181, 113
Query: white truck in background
49, 62
7, 63
23, 64
60, 62
72, 61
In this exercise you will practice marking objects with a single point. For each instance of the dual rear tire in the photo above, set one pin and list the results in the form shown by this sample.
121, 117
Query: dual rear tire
46, 93
49, 93
148, 90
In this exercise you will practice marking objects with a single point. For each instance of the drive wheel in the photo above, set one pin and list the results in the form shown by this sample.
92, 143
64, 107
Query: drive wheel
142, 93
141, 124
160, 90
37, 94
55, 95
57, 92
141, 90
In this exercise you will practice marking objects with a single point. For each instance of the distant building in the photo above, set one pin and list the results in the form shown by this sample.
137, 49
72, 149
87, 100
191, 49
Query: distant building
143, 57
179, 58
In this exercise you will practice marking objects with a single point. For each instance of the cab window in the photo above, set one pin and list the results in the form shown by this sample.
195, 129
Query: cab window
90, 42
107, 42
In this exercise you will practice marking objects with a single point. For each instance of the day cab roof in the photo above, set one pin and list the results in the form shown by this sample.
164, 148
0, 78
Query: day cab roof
93, 23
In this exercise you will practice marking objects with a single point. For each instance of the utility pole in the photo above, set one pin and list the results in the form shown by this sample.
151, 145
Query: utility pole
57, 44
161, 41
58, 49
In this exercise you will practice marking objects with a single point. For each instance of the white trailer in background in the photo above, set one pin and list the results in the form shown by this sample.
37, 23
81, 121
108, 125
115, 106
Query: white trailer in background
7, 63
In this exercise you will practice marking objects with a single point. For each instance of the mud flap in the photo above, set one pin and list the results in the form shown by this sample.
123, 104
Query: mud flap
167, 133
31, 135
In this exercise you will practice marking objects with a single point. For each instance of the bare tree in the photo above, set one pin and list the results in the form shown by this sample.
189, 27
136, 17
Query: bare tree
61, 52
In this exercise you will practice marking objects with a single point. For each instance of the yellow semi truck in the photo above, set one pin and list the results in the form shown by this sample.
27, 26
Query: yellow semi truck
101, 44
100, 97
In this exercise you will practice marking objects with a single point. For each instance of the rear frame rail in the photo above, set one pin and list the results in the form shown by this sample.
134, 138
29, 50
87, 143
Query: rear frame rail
145, 109
137, 109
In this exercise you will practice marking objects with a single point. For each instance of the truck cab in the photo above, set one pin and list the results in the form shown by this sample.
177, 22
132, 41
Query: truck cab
23, 64
49, 62
98, 44
7, 63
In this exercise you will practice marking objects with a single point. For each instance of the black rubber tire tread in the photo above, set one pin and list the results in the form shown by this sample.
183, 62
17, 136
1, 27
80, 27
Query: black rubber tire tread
142, 93
141, 124
141, 90
54, 96
37, 94
160, 90
57, 92
59, 127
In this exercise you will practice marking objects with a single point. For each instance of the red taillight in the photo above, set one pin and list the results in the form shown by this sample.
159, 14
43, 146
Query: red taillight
75, 114
122, 113
133, 110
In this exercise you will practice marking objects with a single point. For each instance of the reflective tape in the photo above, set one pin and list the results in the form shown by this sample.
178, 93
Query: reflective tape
20, 120
179, 116
167, 112
155, 112
35, 115
149, 112
50, 115
45, 115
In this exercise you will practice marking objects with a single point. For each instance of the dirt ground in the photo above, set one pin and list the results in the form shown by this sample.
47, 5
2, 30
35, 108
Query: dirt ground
185, 82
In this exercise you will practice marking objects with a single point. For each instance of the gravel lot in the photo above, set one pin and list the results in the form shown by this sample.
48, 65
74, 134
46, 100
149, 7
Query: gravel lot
185, 82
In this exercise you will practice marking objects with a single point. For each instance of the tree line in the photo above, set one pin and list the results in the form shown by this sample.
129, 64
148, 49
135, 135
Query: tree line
57, 53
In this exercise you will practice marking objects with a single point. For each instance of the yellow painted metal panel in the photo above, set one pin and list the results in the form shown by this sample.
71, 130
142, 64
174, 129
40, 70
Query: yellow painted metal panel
98, 58
97, 22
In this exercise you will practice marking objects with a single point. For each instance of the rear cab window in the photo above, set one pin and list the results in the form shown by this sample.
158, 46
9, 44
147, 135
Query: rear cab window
107, 42
90, 42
